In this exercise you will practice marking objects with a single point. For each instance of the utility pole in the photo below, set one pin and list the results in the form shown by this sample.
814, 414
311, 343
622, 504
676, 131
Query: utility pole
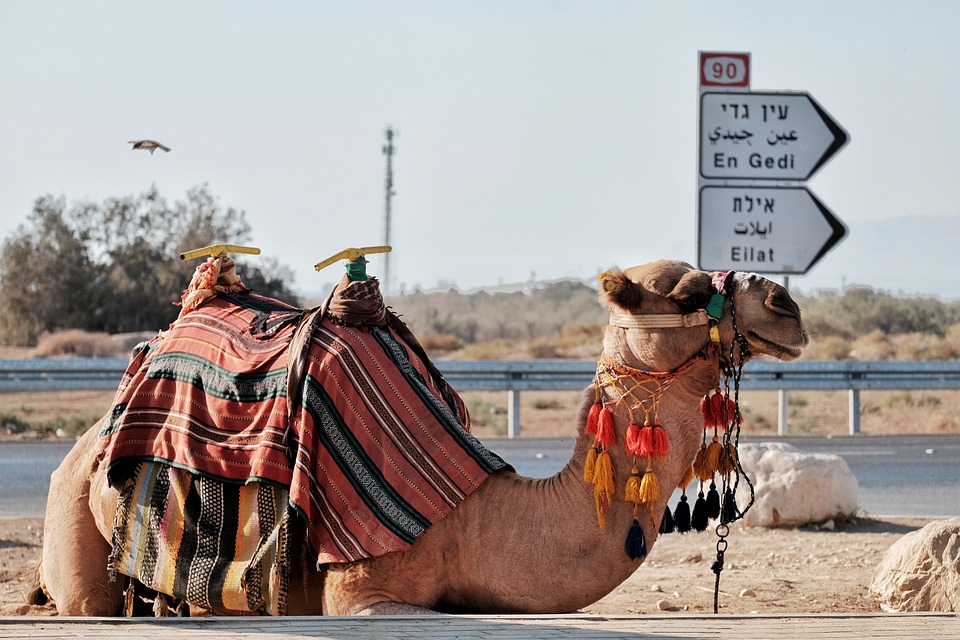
388, 150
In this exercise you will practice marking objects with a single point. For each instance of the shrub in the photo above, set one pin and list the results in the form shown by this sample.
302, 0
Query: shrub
75, 342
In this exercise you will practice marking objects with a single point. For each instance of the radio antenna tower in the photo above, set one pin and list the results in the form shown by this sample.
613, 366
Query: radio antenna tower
388, 150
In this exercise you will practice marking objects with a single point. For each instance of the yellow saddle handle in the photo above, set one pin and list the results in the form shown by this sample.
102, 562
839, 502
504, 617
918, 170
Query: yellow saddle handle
218, 251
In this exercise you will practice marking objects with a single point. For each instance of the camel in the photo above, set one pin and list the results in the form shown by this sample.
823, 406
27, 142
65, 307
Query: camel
516, 544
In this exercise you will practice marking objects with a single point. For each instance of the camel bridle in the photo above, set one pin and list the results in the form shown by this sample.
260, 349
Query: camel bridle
719, 410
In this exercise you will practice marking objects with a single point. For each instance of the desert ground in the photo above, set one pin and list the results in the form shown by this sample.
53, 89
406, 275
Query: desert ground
769, 571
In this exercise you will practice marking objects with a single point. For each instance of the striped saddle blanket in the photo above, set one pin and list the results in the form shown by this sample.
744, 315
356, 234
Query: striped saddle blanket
375, 448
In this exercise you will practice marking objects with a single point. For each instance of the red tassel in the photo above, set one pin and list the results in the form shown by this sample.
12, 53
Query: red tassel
706, 408
632, 439
646, 440
732, 413
719, 408
661, 445
606, 433
593, 418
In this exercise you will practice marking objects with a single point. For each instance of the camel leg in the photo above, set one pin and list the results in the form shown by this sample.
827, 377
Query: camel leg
74, 561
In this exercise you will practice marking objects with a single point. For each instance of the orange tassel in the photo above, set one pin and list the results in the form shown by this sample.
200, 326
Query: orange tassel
606, 432
593, 418
687, 478
700, 468
649, 487
590, 465
728, 460
714, 450
661, 444
603, 488
632, 439
632, 492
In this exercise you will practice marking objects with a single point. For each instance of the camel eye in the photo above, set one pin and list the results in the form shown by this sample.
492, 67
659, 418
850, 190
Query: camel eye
779, 301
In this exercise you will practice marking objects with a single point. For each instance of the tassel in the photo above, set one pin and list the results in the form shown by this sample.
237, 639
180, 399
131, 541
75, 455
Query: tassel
718, 405
661, 444
593, 418
700, 467
632, 439
699, 519
646, 440
632, 492
730, 510
606, 432
706, 408
714, 449
681, 515
649, 487
667, 524
687, 478
732, 458
590, 465
603, 487
636, 545
713, 502
733, 414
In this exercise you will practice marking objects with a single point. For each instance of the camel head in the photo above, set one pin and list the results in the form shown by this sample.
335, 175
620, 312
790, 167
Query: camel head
673, 306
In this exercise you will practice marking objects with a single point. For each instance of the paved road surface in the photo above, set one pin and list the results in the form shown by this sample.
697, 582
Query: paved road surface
898, 475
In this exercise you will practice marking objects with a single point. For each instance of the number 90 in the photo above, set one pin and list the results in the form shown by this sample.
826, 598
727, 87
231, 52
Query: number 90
725, 70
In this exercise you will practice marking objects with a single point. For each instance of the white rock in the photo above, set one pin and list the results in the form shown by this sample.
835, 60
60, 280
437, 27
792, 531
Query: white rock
663, 605
795, 488
748, 593
829, 525
921, 570
656, 588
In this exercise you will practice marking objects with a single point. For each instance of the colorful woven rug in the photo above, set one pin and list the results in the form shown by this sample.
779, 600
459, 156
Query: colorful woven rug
220, 546
378, 447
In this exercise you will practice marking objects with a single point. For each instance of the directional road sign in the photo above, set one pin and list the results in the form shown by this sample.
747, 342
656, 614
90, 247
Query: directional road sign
765, 136
766, 229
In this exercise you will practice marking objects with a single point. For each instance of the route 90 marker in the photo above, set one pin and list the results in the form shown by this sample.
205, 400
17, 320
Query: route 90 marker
756, 149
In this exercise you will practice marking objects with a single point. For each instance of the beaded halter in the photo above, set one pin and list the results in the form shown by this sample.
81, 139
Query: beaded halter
640, 392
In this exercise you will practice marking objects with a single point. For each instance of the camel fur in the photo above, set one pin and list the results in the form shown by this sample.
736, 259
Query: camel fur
517, 544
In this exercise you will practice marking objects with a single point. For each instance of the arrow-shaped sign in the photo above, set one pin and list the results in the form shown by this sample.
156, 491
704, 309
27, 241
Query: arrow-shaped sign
771, 230
765, 136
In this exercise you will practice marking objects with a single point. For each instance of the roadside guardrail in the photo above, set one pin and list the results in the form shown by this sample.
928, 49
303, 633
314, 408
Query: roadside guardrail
516, 376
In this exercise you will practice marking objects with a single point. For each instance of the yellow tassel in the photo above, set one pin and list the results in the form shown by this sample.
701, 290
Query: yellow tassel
700, 468
603, 488
632, 492
687, 478
649, 487
589, 466
713, 455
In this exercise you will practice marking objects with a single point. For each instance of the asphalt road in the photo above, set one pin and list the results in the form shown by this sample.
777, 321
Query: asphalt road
898, 475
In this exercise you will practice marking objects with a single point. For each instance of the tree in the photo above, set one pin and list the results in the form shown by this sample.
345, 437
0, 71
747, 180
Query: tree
115, 266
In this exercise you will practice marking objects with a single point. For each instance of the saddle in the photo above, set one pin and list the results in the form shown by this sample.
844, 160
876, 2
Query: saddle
248, 415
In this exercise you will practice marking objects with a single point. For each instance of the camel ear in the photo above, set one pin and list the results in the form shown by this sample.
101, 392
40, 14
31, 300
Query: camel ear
617, 289
692, 292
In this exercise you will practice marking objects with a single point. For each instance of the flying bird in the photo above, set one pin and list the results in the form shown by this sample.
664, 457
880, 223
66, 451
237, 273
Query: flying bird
148, 145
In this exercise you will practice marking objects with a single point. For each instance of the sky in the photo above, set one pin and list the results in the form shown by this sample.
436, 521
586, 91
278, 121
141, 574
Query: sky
534, 140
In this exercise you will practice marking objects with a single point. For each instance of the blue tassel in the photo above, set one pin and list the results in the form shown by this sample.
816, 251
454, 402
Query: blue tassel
700, 519
730, 510
667, 525
713, 502
681, 515
636, 546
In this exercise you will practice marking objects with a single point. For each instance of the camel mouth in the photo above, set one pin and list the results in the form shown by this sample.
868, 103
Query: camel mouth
777, 349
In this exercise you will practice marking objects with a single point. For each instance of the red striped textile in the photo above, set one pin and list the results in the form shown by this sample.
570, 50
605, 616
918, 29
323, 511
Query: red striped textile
377, 451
